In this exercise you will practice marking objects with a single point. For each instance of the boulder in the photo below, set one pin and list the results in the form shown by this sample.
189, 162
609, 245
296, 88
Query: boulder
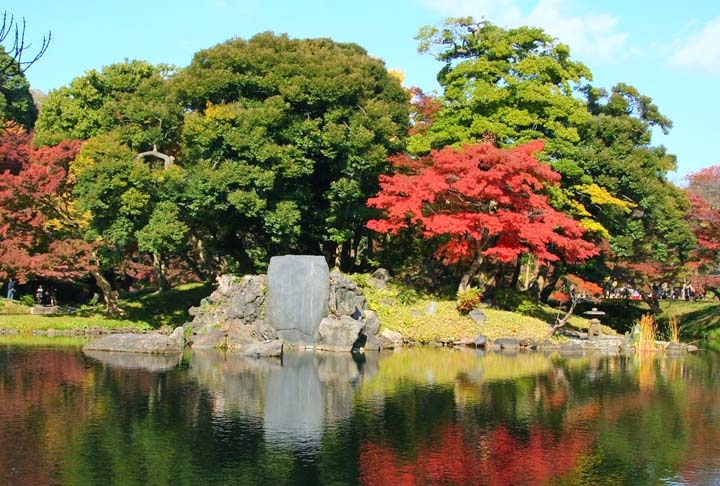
345, 298
390, 339
339, 334
508, 343
478, 315
152, 343
258, 349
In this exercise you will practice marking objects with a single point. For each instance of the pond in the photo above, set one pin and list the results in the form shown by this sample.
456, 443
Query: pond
416, 416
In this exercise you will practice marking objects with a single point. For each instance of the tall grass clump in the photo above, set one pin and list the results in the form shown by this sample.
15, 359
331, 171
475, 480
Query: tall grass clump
647, 334
674, 329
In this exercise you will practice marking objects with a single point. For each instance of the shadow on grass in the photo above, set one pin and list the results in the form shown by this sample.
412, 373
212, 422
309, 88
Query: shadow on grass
165, 308
701, 323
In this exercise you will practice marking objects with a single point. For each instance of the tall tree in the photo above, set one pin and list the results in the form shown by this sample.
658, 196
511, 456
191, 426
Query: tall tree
131, 98
484, 205
704, 193
320, 117
40, 227
618, 155
132, 204
506, 86
16, 102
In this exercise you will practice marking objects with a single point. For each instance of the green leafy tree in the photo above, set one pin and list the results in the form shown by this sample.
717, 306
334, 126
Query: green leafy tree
133, 206
506, 86
16, 102
321, 117
617, 154
131, 98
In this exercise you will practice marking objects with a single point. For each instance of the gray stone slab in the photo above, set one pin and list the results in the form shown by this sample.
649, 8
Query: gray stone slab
297, 297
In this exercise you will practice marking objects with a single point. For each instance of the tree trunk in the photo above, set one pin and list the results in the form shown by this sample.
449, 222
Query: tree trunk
469, 274
653, 303
516, 273
561, 322
159, 267
345, 256
551, 281
111, 296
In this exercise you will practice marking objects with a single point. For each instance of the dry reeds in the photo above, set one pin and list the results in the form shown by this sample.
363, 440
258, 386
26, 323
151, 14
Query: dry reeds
648, 333
674, 330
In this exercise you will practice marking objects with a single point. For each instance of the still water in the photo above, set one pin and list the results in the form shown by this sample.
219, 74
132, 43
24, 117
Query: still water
413, 417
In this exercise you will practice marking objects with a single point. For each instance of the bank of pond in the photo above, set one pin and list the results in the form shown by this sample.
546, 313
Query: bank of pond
419, 415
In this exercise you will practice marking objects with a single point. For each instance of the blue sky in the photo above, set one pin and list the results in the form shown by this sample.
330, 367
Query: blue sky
670, 51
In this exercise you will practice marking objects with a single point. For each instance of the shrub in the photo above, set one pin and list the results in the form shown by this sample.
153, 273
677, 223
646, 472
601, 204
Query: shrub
407, 296
468, 300
27, 300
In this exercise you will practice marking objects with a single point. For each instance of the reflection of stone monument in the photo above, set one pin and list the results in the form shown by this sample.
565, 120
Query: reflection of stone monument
294, 400
297, 296
294, 409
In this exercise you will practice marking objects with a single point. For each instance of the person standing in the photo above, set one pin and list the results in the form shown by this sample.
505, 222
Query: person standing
11, 289
40, 296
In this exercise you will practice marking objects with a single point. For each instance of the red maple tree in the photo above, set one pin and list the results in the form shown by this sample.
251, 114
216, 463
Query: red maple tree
39, 233
488, 203
703, 191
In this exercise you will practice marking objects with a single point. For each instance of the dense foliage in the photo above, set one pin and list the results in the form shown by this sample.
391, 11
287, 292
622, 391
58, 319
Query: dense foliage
481, 203
518, 174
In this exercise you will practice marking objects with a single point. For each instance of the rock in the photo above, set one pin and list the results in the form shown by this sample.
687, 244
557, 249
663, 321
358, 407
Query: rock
548, 345
372, 323
246, 299
481, 341
376, 283
272, 348
152, 343
339, 334
381, 274
345, 298
297, 297
571, 347
390, 339
507, 343
262, 331
675, 348
372, 327
478, 316
431, 309
214, 338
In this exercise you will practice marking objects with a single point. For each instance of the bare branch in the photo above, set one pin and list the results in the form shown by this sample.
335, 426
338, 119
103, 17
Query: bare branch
12, 40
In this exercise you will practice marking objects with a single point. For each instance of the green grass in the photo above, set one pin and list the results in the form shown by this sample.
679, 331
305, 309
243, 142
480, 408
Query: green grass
144, 311
409, 317
399, 308
697, 320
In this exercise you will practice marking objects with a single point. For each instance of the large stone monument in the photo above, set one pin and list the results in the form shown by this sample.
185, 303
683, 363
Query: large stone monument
297, 296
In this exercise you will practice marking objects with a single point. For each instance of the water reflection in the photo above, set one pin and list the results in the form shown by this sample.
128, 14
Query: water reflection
420, 416
149, 362
296, 397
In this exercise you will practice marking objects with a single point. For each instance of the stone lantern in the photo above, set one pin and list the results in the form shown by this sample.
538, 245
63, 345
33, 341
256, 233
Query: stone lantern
594, 328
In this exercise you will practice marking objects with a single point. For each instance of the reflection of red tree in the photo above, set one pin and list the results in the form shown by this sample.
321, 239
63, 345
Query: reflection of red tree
35, 387
457, 457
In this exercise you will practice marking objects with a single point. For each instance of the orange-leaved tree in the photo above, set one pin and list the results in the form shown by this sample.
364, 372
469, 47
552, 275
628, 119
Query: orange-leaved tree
488, 204
703, 191
41, 230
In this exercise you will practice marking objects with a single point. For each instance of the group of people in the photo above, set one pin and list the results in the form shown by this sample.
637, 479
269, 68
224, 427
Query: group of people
42, 296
